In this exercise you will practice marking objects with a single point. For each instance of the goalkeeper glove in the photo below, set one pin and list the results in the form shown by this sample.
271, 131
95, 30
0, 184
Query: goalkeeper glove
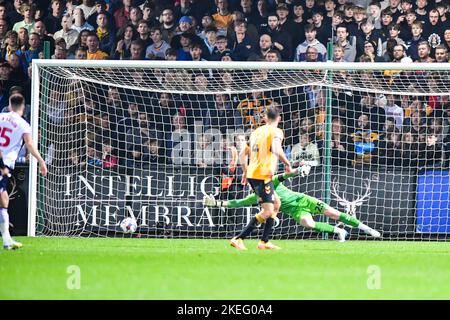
210, 201
304, 170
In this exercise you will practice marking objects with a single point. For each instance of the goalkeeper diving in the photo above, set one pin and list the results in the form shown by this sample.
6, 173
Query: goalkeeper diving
298, 206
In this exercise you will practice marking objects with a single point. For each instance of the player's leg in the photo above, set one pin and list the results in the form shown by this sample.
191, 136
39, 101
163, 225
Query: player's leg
350, 220
8, 242
265, 193
308, 222
308, 206
268, 226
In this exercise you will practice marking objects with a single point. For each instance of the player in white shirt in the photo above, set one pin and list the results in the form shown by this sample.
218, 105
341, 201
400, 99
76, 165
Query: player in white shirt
13, 129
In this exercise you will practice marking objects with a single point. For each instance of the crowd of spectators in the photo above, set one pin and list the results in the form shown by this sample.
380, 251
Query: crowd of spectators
367, 128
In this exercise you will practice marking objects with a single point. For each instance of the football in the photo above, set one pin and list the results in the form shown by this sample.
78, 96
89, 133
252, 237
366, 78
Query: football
128, 225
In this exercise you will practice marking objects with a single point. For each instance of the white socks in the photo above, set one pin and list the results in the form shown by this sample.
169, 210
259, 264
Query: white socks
4, 227
363, 227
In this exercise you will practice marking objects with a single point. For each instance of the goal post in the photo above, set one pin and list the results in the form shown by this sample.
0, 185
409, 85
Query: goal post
149, 139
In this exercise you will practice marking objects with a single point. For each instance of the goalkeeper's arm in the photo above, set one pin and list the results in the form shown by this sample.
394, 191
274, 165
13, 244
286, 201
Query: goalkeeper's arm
210, 201
303, 171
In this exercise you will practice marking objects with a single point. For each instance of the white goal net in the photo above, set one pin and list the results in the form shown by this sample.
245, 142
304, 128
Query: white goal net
150, 139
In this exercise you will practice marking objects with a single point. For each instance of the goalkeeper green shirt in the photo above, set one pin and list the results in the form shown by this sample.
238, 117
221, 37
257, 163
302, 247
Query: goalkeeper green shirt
294, 204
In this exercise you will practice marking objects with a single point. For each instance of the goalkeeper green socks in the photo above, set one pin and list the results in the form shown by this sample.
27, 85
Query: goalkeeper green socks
324, 227
349, 220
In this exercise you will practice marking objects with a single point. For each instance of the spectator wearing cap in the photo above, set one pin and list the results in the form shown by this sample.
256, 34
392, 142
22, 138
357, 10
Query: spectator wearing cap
53, 19
88, 8
79, 22
15, 14
227, 56
240, 43
185, 26
286, 25
342, 40
394, 33
323, 29
222, 18
122, 14
209, 42
158, 49
311, 41
100, 7
168, 25
28, 18
106, 35
67, 33
281, 40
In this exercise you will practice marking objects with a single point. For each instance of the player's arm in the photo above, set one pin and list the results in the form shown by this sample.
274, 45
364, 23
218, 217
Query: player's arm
250, 200
243, 159
34, 151
277, 150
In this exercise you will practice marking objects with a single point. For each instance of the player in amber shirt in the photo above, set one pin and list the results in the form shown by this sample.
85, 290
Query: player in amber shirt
264, 151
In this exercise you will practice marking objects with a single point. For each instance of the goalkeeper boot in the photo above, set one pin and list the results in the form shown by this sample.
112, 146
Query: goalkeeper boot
238, 243
267, 246
15, 245
342, 234
373, 233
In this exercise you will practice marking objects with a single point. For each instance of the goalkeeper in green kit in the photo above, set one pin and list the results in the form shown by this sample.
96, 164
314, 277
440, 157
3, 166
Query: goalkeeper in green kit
299, 206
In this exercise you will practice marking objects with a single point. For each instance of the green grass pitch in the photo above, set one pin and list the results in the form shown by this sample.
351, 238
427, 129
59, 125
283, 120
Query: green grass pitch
211, 269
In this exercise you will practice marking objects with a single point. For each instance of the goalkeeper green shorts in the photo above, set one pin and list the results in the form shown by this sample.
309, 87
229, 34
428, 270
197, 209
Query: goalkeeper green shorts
308, 205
